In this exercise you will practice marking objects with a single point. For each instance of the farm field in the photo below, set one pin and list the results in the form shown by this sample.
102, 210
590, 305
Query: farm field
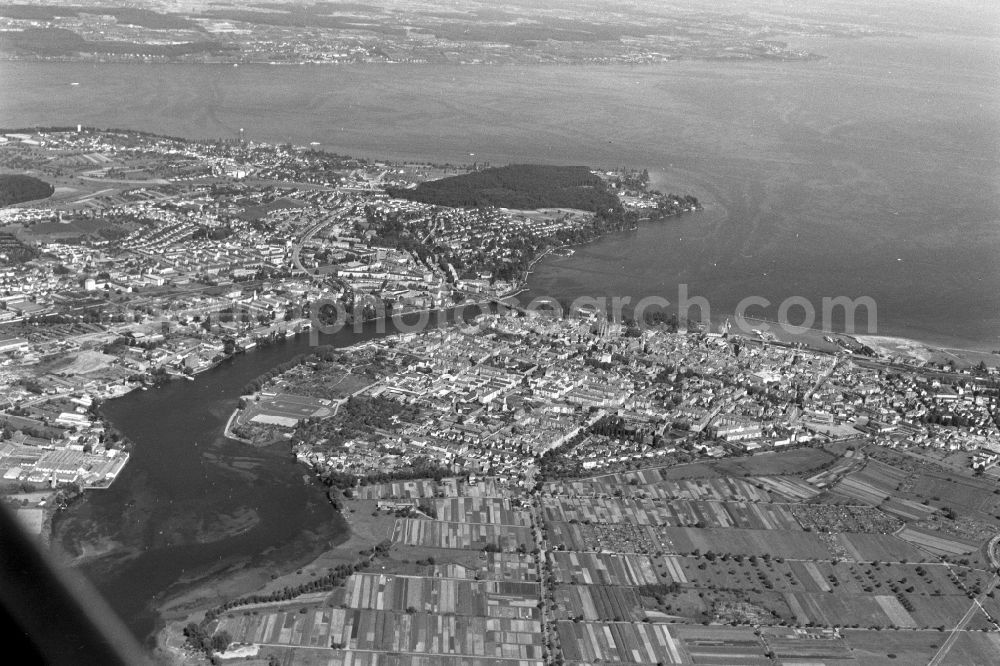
883, 475
327, 657
677, 513
783, 575
438, 534
974, 648
856, 488
721, 645
958, 492
442, 595
469, 565
603, 569
509, 566
631, 538
598, 602
824, 592
725, 514
488, 510
807, 646
646, 567
917, 647
387, 631
651, 483
880, 547
786, 543
622, 537
939, 545
838, 610
906, 509
623, 642
787, 487
420, 488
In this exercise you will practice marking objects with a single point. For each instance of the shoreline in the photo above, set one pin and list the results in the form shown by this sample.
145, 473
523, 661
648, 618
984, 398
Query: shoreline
227, 431
361, 532
249, 578
884, 344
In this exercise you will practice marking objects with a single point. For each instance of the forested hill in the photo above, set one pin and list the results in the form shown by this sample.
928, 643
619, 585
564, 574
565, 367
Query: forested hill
15, 188
526, 186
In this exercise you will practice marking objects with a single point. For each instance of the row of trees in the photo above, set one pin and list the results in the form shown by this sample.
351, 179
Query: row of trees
422, 467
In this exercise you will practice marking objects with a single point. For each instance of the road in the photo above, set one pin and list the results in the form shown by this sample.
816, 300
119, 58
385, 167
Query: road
297, 247
819, 380
974, 608
992, 551
547, 602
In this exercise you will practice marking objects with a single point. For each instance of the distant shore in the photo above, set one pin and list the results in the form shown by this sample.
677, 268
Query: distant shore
888, 345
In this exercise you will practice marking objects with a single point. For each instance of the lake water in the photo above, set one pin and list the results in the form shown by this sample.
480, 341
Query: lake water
871, 173
192, 506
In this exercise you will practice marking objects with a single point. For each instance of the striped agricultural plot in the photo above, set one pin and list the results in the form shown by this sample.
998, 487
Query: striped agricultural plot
678, 513
599, 602
935, 544
491, 510
487, 598
385, 631
790, 488
421, 488
652, 484
603, 569
721, 645
623, 642
675, 569
439, 534
855, 488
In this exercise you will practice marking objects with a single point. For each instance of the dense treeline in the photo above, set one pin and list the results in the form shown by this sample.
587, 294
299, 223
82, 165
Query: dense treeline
525, 186
124, 15
658, 589
294, 16
15, 188
55, 42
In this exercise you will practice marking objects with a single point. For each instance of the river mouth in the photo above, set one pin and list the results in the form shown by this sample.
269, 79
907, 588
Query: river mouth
195, 519
159, 555
194, 515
